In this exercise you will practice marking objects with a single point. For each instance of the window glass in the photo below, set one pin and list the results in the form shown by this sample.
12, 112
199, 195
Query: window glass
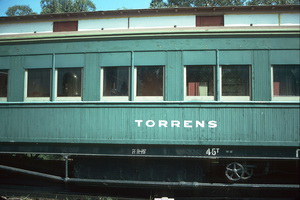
69, 82
149, 81
235, 81
3, 83
115, 81
286, 80
199, 81
38, 82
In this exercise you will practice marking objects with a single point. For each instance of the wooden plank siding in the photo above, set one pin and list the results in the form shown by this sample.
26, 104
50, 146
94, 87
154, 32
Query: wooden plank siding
255, 122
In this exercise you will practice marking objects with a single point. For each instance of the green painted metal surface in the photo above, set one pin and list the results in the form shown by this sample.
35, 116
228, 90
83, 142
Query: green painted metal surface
258, 122
157, 124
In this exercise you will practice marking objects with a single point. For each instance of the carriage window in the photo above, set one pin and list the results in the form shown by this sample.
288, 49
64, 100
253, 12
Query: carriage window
3, 84
286, 82
199, 83
69, 84
115, 83
149, 83
235, 83
38, 84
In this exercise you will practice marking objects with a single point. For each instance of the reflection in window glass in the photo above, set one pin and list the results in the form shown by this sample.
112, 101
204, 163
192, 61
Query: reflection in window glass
115, 81
69, 82
286, 80
38, 83
200, 81
149, 81
3, 83
235, 81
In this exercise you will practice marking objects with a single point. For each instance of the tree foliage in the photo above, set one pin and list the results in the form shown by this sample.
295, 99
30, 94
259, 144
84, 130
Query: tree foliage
158, 4
19, 10
196, 3
83, 6
272, 2
63, 6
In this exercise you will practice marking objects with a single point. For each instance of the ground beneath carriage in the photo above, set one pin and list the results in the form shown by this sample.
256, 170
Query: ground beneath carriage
217, 185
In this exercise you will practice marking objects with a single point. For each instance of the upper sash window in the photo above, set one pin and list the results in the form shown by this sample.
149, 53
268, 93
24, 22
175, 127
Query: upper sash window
115, 84
286, 82
38, 84
69, 84
3, 84
199, 83
149, 83
235, 83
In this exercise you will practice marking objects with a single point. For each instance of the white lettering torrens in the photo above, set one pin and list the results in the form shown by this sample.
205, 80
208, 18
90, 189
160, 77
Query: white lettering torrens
176, 123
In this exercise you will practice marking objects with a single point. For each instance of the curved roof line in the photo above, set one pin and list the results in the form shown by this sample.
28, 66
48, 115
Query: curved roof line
155, 12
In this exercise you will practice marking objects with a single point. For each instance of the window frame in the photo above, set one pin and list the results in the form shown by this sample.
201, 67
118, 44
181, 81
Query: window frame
26, 98
148, 98
235, 98
4, 99
281, 98
68, 98
199, 98
114, 98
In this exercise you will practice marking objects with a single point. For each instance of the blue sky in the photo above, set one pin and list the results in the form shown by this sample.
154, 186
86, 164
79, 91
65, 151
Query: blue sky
100, 4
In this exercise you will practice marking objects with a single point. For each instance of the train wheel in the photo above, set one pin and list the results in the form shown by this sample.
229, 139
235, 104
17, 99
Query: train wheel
234, 171
247, 173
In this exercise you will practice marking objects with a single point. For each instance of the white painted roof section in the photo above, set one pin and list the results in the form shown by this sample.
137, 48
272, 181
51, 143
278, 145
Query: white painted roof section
251, 20
242, 16
23, 28
262, 19
163, 22
292, 19
103, 24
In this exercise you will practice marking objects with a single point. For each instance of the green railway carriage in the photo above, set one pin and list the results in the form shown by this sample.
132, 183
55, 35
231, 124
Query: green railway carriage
176, 107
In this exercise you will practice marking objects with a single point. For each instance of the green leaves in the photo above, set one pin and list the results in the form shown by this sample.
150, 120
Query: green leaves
198, 3
63, 6
54, 6
19, 10
271, 2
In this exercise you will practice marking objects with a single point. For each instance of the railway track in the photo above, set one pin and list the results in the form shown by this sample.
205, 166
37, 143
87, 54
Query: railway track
23, 192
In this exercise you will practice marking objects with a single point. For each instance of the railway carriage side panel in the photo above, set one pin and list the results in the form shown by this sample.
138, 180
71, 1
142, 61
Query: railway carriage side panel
200, 110
172, 120
152, 124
